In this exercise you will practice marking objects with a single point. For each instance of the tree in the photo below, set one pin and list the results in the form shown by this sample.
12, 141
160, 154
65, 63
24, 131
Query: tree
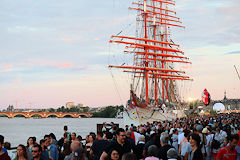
51, 110
108, 112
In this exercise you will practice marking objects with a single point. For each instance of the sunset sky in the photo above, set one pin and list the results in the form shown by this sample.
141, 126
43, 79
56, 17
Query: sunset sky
57, 51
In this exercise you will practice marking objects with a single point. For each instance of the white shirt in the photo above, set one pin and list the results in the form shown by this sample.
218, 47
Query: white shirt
180, 137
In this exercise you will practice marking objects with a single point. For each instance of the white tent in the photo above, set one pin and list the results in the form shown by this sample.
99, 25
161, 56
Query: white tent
202, 111
218, 107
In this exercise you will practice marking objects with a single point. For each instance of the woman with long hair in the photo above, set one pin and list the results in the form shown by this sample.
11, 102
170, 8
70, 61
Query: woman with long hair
21, 153
196, 153
89, 144
30, 143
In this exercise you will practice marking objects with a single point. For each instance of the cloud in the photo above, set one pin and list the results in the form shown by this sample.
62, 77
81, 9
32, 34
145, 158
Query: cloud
233, 52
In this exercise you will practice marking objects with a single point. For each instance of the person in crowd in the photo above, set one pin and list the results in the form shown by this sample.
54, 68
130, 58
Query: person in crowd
209, 137
21, 153
203, 141
120, 144
184, 147
89, 145
196, 153
175, 139
73, 136
36, 152
108, 136
129, 156
61, 141
138, 151
172, 154
152, 141
238, 145
77, 152
217, 142
229, 152
98, 146
65, 129
51, 148
104, 127
152, 153
30, 144
53, 139
44, 153
162, 153
113, 154
6, 147
66, 150
3, 155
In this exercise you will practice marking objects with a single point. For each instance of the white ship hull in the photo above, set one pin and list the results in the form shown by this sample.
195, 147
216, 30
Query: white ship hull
137, 116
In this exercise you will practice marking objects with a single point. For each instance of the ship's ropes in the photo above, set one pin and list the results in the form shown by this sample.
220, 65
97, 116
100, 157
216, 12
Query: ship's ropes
115, 86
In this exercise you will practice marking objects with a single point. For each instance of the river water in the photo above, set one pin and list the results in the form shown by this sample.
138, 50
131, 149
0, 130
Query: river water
18, 130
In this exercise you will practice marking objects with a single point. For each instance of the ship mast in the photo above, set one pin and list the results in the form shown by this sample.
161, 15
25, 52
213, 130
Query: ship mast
155, 52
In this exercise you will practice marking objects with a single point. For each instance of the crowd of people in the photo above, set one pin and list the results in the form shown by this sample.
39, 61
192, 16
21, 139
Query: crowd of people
189, 138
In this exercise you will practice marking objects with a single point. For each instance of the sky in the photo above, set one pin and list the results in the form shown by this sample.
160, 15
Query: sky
54, 52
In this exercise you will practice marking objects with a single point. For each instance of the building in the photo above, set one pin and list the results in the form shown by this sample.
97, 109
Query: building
10, 108
69, 105
80, 105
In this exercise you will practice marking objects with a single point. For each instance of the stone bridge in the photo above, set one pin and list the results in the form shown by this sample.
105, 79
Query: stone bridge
45, 114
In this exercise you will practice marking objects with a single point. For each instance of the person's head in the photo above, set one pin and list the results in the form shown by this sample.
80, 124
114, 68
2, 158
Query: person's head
172, 153
108, 136
99, 135
91, 138
79, 138
199, 128
194, 140
77, 150
30, 141
65, 128
186, 133
153, 136
129, 156
36, 151
48, 140
128, 134
233, 140
141, 138
73, 136
152, 151
1, 142
21, 151
121, 135
42, 143
164, 139
7, 145
65, 135
114, 155
52, 136
75, 145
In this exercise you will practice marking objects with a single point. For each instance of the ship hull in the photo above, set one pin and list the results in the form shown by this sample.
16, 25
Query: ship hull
137, 115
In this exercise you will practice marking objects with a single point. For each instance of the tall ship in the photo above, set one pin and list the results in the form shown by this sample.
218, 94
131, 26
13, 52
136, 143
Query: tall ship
154, 92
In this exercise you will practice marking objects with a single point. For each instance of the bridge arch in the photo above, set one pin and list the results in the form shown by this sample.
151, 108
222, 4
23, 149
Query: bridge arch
52, 114
67, 115
5, 114
37, 114
20, 114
